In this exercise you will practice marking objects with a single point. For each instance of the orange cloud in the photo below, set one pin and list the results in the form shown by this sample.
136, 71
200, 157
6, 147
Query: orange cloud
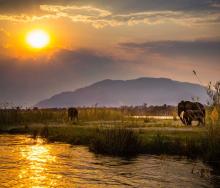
100, 18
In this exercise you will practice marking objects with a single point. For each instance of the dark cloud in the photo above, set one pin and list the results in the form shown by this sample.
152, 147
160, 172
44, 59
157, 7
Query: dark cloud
176, 48
156, 5
28, 6
28, 81
115, 5
18, 6
101, 14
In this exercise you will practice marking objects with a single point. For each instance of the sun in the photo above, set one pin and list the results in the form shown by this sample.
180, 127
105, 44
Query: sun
38, 39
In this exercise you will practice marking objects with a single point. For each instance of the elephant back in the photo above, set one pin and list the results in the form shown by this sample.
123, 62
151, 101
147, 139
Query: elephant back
188, 105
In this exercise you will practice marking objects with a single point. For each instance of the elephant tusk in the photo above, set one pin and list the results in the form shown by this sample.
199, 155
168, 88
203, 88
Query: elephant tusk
182, 114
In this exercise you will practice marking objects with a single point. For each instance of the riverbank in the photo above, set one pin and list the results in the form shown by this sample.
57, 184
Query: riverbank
194, 143
35, 163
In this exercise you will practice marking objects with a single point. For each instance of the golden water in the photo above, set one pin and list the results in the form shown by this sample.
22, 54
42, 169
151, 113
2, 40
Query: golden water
25, 162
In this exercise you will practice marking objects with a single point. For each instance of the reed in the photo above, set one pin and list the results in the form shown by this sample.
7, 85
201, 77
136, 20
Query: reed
116, 141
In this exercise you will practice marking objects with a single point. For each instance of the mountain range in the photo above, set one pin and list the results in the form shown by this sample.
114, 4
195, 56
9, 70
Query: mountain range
115, 93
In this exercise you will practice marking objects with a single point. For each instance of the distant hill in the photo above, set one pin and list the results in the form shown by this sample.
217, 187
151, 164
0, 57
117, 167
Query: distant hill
153, 91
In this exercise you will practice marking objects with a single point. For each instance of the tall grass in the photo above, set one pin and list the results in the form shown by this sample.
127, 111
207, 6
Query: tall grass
100, 114
25, 116
9, 117
203, 145
116, 141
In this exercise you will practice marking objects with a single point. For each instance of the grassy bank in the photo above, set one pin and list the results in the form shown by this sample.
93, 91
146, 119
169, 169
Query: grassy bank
17, 116
203, 145
110, 131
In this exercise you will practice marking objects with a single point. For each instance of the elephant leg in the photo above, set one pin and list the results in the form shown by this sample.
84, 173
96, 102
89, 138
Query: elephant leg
191, 118
200, 122
189, 121
182, 120
203, 121
186, 119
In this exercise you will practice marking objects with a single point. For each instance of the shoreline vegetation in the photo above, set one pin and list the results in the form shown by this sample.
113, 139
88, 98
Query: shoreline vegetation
110, 133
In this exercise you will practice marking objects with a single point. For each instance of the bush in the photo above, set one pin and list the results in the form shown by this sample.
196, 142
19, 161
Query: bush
115, 141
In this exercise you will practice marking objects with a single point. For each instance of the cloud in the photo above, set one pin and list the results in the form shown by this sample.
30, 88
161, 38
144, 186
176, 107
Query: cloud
30, 80
197, 48
103, 17
156, 5
188, 13
4, 35
115, 5
27, 81
177, 59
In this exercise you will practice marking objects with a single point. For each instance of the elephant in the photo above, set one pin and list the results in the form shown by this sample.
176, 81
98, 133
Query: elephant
196, 115
184, 106
72, 114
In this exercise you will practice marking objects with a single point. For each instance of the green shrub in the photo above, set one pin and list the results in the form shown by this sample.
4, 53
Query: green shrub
116, 141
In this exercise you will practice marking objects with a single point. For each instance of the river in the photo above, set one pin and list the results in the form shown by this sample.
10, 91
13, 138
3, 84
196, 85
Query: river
25, 162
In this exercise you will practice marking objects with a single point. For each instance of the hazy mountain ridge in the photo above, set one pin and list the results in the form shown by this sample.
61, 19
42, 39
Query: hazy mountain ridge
153, 91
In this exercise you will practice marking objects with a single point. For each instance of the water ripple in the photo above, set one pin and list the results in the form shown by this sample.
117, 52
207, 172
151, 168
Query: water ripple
25, 162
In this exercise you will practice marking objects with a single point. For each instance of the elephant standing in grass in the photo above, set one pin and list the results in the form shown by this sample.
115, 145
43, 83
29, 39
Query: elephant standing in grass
73, 114
195, 115
189, 111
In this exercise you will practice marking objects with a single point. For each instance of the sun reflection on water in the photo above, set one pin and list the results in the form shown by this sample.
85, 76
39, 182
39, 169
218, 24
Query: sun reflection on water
29, 163
37, 159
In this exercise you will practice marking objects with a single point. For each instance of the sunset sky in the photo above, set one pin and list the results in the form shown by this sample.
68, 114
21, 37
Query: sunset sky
92, 40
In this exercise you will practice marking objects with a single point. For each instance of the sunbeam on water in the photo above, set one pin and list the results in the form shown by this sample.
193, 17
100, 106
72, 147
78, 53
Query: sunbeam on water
25, 162
37, 158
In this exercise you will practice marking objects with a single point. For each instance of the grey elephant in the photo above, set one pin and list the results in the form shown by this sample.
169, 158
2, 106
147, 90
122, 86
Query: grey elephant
73, 114
193, 115
188, 111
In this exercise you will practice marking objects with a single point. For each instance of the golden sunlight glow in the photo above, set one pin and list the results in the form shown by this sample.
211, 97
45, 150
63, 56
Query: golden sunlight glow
37, 159
38, 39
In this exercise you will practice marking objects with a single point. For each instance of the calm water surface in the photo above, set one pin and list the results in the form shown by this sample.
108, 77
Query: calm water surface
25, 162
